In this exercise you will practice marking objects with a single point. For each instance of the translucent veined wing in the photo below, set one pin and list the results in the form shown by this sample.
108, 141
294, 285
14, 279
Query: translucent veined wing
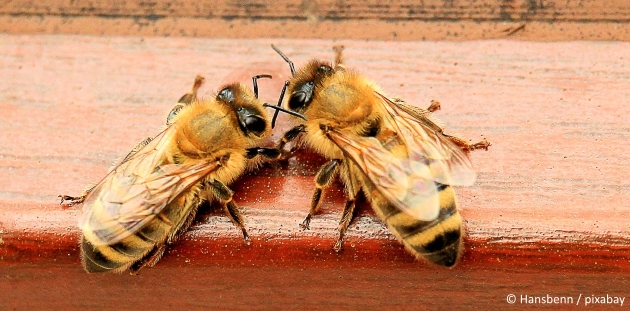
138, 189
427, 146
406, 184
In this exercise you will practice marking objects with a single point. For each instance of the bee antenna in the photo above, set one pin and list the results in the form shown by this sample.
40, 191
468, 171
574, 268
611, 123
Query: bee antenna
293, 113
275, 114
286, 59
255, 81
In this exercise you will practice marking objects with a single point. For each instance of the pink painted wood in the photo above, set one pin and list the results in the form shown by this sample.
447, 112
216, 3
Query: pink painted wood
547, 215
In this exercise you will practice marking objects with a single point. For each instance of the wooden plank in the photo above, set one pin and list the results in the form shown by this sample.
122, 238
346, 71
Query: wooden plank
326, 19
548, 214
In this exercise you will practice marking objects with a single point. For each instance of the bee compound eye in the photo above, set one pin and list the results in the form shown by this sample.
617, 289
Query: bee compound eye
297, 100
255, 124
324, 69
226, 95
171, 116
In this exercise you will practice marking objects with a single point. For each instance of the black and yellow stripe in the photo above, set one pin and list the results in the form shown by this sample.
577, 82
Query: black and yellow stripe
439, 240
138, 249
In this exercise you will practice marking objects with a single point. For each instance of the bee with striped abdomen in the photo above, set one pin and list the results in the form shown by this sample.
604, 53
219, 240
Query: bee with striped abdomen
151, 197
394, 152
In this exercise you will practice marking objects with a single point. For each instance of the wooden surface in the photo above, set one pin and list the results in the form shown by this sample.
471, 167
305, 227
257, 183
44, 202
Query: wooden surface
547, 215
326, 19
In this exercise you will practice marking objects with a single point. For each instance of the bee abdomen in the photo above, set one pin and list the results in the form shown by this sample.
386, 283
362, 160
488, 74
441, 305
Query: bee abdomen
440, 244
121, 255
94, 260
438, 240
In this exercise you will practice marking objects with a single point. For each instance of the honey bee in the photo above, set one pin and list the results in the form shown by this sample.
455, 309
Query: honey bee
151, 197
396, 153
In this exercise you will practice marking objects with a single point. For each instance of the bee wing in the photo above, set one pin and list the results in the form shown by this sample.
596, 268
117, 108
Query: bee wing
138, 189
426, 145
409, 182
404, 182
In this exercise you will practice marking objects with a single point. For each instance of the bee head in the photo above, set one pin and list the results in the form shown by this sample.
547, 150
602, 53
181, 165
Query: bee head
303, 85
252, 118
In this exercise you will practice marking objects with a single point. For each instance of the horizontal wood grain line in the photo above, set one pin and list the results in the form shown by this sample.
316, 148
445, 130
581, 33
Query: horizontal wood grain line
489, 10
379, 29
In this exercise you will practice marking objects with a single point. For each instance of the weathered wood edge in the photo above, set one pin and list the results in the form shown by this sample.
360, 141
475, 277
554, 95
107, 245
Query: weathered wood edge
49, 234
431, 10
401, 21
393, 30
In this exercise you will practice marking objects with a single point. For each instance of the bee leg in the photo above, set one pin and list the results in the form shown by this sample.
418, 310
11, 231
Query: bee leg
322, 180
460, 142
348, 211
346, 218
224, 195
185, 100
269, 153
192, 95
237, 218
435, 105
464, 145
484, 144
75, 200
157, 255
339, 57
183, 225
154, 256
72, 200
288, 137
